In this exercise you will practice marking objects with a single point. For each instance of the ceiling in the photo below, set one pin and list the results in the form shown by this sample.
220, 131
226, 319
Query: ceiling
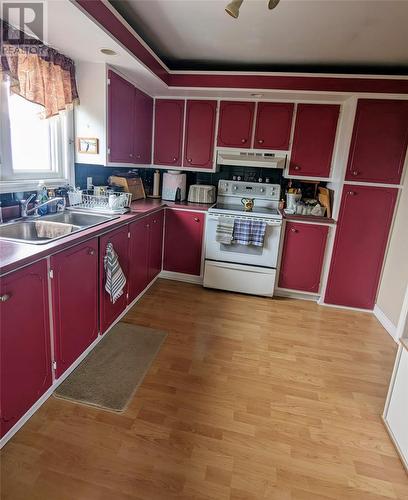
330, 36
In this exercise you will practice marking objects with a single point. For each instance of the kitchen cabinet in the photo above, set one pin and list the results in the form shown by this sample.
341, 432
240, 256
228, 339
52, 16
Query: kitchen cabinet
183, 241
379, 142
302, 256
168, 132
108, 311
75, 302
199, 134
313, 140
155, 244
25, 342
142, 128
273, 125
362, 232
121, 102
138, 256
235, 124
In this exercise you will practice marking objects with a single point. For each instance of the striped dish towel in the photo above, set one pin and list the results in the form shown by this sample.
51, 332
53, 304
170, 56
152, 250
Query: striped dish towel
115, 279
224, 230
249, 232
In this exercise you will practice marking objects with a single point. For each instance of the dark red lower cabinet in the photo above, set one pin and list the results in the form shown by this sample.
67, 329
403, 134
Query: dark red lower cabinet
361, 238
302, 256
138, 256
75, 302
25, 349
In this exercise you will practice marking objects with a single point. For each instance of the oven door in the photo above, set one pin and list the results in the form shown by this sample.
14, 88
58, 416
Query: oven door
266, 256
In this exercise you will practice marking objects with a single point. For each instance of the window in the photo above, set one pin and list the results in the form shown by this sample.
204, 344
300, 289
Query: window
33, 148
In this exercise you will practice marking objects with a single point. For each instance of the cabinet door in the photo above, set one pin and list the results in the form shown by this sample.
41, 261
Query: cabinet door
235, 124
25, 352
143, 128
313, 140
302, 256
138, 256
121, 97
379, 142
156, 244
199, 134
362, 232
75, 302
107, 310
168, 131
183, 241
273, 125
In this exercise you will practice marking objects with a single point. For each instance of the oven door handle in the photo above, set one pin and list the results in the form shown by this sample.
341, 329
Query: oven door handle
268, 222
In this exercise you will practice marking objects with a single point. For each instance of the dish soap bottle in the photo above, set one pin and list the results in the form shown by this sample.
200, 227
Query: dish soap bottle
42, 197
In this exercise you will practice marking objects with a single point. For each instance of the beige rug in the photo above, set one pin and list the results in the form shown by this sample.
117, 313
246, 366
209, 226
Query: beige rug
111, 373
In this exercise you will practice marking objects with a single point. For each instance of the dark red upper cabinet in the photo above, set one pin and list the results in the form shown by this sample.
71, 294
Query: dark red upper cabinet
273, 125
25, 351
168, 132
199, 134
75, 307
121, 98
362, 232
302, 257
379, 142
313, 140
143, 128
235, 124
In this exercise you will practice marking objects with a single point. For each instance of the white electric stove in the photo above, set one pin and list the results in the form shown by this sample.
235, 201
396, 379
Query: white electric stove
244, 268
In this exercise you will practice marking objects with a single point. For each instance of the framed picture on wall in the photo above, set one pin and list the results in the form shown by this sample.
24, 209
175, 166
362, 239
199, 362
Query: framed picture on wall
88, 145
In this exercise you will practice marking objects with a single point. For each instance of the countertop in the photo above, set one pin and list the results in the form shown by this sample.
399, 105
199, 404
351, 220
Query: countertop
14, 255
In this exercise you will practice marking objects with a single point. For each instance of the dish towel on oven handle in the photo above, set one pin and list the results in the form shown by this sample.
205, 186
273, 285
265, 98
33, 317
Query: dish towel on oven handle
249, 232
225, 229
115, 279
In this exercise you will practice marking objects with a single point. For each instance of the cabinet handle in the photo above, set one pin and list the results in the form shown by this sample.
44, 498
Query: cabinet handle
196, 219
261, 141
296, 167
5, 297
91, 251
356, 172
351, 193
243, 141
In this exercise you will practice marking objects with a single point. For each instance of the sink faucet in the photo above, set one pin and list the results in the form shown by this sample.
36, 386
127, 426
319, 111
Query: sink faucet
24, 204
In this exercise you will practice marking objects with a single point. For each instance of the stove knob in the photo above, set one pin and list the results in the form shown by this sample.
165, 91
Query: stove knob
235, 188
262, 190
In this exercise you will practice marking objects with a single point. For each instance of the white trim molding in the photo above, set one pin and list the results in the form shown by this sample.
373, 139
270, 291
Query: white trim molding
386, 322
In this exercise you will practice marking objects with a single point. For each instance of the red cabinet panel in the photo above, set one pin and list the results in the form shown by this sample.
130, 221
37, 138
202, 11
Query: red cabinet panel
143, 128
313, 140
379, 142
156, 244
108, 312
235, 124
362, 232
199, 134
138, 256
302, 256
121, 98
25, 352
168, 131
75, 302
273, 125
183, 241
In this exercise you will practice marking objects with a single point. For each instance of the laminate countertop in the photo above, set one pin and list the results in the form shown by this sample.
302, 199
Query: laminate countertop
14, 255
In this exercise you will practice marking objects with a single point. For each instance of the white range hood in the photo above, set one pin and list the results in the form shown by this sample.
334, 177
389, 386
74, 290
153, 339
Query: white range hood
244, 159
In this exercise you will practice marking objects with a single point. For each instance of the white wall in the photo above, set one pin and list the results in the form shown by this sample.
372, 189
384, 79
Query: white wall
90, 114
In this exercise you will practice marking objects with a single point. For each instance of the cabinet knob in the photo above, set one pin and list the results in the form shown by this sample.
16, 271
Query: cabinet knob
243, 141
296, 167
355, 172
138, 157
91, 251
154, 221
147, 226
196, 219
174, 159
131, 155
189, 160
5, 297
294, 230
261, 141
351, 193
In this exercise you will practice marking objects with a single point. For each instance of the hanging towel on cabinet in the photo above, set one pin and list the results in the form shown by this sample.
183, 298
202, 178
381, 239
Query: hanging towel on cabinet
224, 230
249, 232
115, 279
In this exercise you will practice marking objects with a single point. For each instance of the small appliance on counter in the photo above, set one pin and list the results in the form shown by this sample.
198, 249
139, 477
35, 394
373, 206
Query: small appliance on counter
174, 186
200, 193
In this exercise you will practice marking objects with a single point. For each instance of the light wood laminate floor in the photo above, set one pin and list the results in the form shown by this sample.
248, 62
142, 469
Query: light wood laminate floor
249, 398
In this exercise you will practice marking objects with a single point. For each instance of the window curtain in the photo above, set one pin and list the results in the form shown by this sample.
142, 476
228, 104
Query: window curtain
37, 72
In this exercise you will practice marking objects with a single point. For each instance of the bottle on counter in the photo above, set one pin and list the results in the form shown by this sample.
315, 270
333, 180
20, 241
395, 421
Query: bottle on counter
42, 197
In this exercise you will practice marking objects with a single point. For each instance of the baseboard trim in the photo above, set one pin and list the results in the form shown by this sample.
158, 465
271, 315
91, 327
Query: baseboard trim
291, 294
187, 278
386, 322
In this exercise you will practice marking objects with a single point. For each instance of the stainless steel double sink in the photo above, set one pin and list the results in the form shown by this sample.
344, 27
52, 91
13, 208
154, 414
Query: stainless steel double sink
40, 230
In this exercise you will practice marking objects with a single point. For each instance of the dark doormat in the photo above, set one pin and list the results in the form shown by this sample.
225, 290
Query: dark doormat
109, 376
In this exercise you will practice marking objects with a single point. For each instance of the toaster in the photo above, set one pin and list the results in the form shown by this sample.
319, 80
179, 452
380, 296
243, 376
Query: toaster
200, 193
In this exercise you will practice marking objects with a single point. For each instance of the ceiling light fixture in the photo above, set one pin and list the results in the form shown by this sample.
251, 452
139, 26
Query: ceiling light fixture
108, 52
233, 8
